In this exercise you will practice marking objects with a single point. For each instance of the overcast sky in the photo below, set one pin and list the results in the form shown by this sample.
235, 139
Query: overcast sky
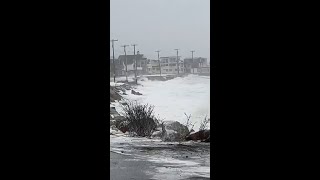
162, 25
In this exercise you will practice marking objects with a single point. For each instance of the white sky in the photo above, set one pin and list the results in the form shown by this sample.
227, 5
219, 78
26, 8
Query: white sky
162, 25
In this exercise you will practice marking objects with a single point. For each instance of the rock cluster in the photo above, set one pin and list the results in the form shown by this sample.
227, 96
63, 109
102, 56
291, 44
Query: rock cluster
173, 131
121, 90
114, 95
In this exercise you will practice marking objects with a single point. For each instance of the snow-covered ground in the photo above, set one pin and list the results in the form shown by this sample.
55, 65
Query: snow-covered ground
172, 98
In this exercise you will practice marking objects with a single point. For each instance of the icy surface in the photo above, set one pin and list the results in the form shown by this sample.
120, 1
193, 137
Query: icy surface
172, 98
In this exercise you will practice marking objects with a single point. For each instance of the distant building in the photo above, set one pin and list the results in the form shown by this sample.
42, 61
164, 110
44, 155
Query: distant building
194, 65
169, 65
141, 64
153, 67
118, 67
202, 70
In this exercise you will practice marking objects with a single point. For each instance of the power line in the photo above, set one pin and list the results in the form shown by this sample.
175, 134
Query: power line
135, 57
114, 66
177, 59
159, 62
125, 55
192, 61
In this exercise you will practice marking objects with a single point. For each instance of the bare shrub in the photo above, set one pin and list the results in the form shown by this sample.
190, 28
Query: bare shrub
204, 124
140, 118
182, 132
188, 123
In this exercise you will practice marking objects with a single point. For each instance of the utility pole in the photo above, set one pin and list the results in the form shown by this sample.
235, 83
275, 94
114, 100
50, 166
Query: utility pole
184, 66
114, 66
192, 61
201, 65
159, 61
135, 57
177, 59
125, 55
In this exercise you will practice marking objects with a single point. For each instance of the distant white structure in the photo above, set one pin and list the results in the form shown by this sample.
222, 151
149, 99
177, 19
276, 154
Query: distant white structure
197, 65
153, 67
169, 65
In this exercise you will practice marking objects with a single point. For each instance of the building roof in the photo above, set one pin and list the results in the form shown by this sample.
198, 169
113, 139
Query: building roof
130, 58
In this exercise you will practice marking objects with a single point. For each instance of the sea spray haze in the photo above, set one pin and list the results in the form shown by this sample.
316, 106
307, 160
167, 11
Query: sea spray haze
173, 98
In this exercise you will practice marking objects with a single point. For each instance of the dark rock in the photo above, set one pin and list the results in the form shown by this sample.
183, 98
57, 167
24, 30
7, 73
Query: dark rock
114, 95
135, 92
203, 135
173, 131
124, 129
208, 139
122, 124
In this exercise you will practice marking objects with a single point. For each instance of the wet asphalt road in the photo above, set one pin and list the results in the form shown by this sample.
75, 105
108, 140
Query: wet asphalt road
136, 159
125, 167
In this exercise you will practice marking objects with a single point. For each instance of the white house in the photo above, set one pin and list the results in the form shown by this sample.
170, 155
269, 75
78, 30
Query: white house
153, 67
169, 65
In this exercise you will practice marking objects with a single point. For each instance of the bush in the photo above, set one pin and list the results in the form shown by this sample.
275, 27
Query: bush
204, 124
140, 118
188, 123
